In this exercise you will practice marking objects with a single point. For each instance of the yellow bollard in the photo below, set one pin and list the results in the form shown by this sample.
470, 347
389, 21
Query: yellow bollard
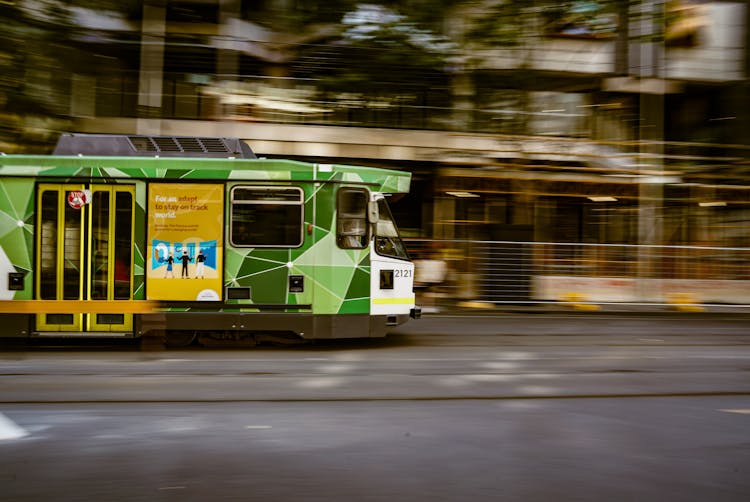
578, 301
474, 304
684, 302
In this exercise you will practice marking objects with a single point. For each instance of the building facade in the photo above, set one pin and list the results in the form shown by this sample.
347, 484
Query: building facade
595, 123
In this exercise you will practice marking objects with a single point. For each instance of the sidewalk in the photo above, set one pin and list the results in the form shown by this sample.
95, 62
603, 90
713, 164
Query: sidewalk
478, 308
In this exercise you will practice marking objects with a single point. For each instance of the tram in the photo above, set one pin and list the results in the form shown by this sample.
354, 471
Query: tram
117, 235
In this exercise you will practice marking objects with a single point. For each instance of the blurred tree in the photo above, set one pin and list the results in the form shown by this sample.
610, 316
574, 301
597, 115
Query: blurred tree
499, 24
300, 13
42, 45
132, 9
32, 96
382, 60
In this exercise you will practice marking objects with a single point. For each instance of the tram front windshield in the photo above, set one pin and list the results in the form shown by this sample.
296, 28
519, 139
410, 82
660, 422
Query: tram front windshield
387, 241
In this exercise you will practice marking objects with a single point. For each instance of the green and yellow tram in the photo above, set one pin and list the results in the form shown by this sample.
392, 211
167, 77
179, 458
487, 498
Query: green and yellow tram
196, 237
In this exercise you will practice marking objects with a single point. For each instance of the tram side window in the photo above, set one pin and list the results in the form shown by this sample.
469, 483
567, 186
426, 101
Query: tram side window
266, 217
48, 246
351, 221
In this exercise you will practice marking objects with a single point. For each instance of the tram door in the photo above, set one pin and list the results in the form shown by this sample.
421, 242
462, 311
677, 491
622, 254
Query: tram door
85, 252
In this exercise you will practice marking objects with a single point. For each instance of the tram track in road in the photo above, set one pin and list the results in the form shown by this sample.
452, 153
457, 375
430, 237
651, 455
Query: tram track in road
508, 329
654, 395
558, 324
339, 449
367, 385
395, 340
565, 340
479, 362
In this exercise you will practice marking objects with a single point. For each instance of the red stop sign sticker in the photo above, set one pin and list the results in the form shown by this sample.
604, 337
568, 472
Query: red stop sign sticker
79, 198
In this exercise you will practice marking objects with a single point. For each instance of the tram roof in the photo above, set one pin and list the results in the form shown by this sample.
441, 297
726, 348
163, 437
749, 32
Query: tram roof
200, 169
122, 145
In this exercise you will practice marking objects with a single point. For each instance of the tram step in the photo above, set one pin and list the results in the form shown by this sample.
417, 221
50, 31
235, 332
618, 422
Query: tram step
84, 334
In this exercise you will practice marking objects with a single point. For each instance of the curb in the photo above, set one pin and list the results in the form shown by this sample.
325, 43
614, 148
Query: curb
470, 308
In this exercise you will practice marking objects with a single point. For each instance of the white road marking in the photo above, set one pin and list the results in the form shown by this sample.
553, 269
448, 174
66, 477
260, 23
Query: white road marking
743, 412
537, 390
258, 427
490, 377
9, 429
321, 383
336, 368
499, 365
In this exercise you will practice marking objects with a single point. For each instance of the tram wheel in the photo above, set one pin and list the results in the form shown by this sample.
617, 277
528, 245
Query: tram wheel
180, 339
226, 339
154, 340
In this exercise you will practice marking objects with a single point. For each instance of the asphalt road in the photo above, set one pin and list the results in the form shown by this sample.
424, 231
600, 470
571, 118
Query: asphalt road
447, 408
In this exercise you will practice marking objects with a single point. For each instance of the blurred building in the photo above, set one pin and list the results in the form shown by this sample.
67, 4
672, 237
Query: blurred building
595, 122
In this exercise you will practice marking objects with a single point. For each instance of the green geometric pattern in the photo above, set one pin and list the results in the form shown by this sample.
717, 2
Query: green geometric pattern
17, 232
336, 280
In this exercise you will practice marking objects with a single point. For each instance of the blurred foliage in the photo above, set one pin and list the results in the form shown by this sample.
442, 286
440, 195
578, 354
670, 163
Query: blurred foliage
377, 55
32, 59
502, 22
361, 62
279, 15
382, 58
581, 18
497, 25
132, 9
380, 45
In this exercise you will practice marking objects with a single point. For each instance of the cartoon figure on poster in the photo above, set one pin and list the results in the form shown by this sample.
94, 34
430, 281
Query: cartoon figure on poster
170, 264
200, 261
204, 258
185, 259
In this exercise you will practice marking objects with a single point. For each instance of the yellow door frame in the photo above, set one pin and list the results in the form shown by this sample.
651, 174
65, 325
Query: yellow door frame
93, 323
44, 322
85, 321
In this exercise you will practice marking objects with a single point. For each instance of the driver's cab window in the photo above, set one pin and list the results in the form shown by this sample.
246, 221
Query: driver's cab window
387, 240
351, 220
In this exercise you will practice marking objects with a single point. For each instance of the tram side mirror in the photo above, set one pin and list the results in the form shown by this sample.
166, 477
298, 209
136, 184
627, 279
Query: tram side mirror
372, 212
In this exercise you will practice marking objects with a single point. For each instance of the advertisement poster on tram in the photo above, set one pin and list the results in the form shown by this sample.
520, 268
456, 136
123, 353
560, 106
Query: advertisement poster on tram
185, 239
